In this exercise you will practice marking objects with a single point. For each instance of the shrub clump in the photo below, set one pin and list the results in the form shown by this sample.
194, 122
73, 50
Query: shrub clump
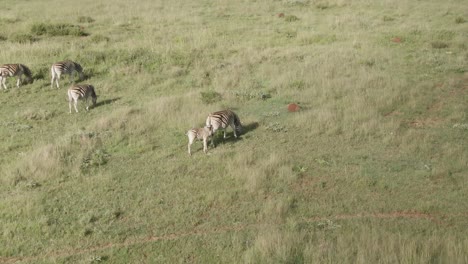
210, 97
99, 38
42, 73
439, 45
57, 30
85, 19
460, 20
23, 38
3, 38
291, 18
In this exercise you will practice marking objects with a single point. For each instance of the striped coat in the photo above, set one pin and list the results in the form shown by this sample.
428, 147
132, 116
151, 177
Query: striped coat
65, 67
223, 119
14, 70
200, 134
81, 92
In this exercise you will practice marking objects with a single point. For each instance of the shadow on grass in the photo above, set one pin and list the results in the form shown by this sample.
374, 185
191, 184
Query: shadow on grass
107, 101
218, 137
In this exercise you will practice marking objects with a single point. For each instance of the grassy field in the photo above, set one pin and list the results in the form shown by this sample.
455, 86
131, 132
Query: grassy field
372, 169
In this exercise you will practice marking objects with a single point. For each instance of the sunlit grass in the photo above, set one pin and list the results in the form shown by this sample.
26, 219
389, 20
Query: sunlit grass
371, 169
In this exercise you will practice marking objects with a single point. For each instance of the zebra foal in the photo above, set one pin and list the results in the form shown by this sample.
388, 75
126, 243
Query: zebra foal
223, 119
14, 70
201, 134
65, 67
81, 92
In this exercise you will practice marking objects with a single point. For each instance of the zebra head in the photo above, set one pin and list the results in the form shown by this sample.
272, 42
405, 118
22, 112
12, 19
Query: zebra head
239, 128
210, 129
93, 96
27, 73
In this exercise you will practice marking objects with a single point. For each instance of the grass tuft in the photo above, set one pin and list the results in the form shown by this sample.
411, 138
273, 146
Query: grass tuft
439, 45
51, 30
23, 38
291, 18
85, 19
460, 20
210, 97
99, 38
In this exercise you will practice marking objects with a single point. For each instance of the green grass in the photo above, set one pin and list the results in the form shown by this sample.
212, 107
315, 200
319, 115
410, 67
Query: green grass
372, 169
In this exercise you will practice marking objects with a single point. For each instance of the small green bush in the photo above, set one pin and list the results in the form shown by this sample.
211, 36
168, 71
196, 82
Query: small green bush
3, 38
210, 97
99, 38
439, 45
298, 85
23, 38
460, 20
41, 73
57, 30
291, 18
85, 19
388, 19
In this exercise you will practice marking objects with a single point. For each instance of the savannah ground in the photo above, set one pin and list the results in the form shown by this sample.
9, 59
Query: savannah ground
372, 169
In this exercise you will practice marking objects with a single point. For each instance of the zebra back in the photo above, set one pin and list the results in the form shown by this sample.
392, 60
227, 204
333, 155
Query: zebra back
10, 70
67, 67
83, 91
223, 119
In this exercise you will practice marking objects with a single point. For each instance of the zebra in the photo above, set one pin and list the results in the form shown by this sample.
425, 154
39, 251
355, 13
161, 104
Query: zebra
200, 134
65, 67
11, 70
81, 91
223, 119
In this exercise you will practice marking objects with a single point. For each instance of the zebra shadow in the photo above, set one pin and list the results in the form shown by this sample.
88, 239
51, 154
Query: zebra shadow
218, 137
249, 127
107, 101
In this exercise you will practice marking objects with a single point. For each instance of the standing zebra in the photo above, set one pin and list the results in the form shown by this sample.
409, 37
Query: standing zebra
200, 134
223, 119
65, 67
11, 70
81, 91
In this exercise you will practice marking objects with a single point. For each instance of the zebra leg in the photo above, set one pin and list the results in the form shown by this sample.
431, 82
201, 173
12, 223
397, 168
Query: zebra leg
76, 103
2, 81
189, 144
57, 78
205, 147
224, 130
212, 141
70, 105
234, 129
54, 78
18, 82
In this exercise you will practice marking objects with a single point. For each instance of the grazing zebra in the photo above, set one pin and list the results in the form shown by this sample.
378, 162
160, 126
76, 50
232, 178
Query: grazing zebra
11, 70
223, 119
65, 67
200, 134
81, 91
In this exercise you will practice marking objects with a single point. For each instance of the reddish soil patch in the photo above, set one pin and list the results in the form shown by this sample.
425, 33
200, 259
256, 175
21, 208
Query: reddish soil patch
280, 15
397, 40
293, 107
